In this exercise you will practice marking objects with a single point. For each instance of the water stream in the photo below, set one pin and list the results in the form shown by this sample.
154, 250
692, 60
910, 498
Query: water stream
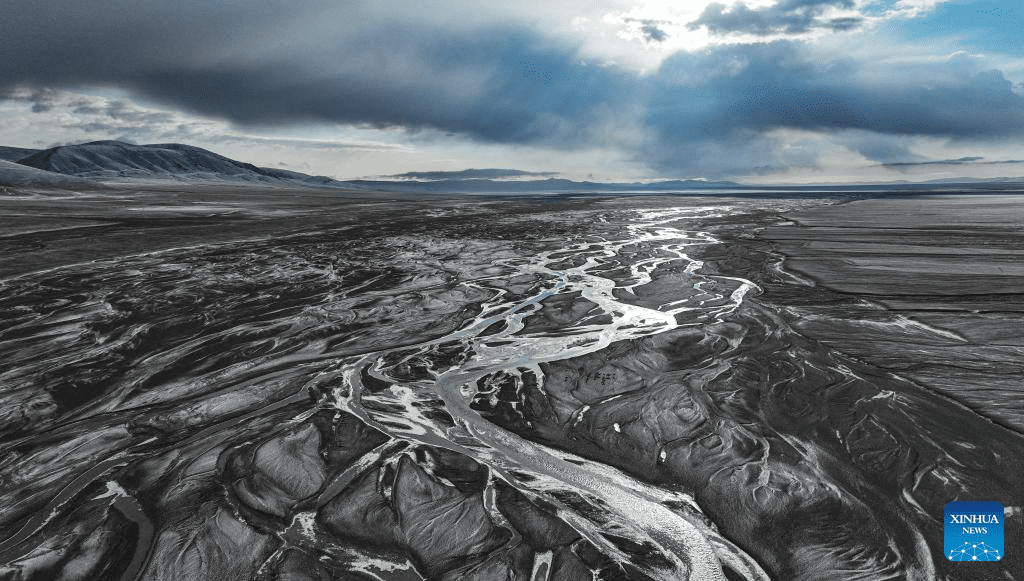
689, 547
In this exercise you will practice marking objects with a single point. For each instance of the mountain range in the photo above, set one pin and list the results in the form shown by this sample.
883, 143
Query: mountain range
106, 162
102, 163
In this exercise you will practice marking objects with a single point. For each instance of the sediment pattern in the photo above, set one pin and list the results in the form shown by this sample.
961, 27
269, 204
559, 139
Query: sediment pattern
623, 390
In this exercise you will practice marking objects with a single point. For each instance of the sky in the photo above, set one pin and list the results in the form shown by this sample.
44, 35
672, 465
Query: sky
759, 91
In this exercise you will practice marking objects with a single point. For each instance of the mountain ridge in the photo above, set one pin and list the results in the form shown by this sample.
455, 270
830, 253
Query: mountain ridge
116, 159
13, 154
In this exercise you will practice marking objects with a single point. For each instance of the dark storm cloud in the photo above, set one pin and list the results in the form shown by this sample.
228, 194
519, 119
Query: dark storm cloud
476, 86
199, 57
496, 85
780, 85
471, 174
66, 42
787, 16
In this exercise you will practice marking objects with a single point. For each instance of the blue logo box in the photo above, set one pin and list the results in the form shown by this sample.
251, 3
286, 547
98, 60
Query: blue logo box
973, 531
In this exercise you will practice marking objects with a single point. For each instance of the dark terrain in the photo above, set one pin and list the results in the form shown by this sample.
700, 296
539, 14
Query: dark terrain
267, 382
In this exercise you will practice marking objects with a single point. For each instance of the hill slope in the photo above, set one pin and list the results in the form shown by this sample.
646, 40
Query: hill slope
13, 174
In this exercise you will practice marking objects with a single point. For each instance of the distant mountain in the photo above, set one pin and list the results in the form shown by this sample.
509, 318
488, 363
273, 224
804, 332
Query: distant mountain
964, 180
15, 153
114, 160
550, 185
468, 174
118, 161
